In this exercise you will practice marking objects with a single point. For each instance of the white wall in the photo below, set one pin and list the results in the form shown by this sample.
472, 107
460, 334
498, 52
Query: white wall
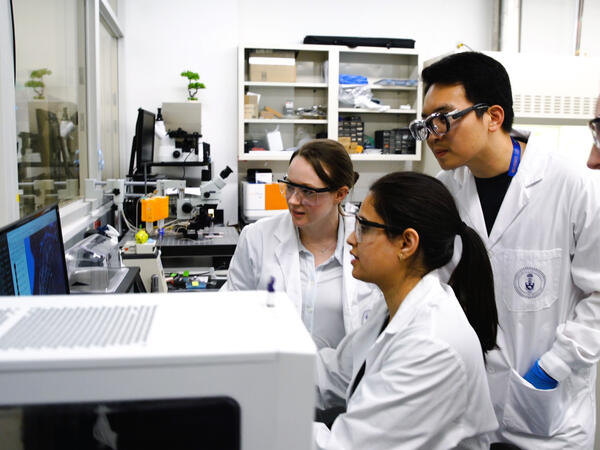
549, 26
162, 39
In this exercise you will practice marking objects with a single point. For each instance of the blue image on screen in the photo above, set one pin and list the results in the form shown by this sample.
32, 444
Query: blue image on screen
37, 259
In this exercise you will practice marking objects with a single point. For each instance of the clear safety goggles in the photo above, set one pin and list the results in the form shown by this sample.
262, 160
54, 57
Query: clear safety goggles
307, 195
439, 123
595, 127
362, 225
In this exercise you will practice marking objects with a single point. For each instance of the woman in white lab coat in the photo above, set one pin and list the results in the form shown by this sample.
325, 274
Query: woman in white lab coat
304, 251
413, 376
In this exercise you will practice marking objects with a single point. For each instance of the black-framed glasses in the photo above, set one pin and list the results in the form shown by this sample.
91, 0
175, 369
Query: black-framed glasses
595, 127
307, 195
361, 225
439, 123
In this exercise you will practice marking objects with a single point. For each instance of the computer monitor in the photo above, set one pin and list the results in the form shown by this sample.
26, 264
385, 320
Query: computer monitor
142, 149
32, 256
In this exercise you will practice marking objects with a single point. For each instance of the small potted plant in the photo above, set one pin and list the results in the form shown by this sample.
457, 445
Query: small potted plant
193, 84
37, 82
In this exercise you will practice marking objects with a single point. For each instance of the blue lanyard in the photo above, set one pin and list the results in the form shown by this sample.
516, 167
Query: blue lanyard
516, 158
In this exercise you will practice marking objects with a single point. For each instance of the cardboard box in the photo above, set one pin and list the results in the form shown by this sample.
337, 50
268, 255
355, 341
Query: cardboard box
250, 111
250, 99
250, 106
267, 115
272, 66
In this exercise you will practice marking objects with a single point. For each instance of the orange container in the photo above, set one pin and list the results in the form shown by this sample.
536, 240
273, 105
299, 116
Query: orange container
273, 197
155, 208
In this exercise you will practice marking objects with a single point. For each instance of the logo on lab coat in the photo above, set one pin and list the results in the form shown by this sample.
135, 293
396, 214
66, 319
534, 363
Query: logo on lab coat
529, 282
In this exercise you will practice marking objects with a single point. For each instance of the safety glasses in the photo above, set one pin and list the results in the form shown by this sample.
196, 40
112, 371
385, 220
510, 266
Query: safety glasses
439, 123
307, 195
595, 127
361, 226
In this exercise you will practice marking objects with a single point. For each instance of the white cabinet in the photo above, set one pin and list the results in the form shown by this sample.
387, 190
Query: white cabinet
316, 90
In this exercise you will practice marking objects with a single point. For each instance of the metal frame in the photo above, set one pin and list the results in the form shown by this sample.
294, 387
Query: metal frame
92, 46
8, 140
108, 15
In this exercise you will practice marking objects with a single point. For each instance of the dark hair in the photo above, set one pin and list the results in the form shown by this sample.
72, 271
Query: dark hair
327, 155
414, 200
485, 80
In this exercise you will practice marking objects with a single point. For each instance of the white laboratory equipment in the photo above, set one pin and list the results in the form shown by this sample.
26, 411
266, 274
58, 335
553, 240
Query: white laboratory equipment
225, 370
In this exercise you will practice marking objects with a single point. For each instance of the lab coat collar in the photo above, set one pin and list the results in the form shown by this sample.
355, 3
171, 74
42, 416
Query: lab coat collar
535, 161
351, 319
371, 333
286, 253
338, 253
531, 171
411, 303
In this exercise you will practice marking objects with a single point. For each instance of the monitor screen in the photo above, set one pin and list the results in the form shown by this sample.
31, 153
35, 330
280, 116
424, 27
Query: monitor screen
33, 257
144, 134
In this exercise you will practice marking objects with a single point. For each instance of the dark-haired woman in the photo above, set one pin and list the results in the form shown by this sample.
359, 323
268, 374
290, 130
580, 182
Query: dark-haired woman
413, 376
304, 250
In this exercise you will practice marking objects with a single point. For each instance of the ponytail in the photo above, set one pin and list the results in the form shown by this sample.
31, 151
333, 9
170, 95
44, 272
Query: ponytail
473, 284
413, 200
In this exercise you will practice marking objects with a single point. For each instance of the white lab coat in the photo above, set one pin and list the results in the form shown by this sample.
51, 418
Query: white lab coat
424, 386
545, 252
269, 247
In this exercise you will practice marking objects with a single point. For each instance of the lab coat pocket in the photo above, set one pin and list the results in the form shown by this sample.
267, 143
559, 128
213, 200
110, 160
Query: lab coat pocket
528, 279
533, 411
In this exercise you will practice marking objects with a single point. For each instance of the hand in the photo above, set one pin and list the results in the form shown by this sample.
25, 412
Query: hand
540, 379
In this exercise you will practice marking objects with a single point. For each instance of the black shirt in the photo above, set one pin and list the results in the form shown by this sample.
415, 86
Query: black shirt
491, 193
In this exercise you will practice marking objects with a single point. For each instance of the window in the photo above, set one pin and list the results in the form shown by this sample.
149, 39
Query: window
50, 97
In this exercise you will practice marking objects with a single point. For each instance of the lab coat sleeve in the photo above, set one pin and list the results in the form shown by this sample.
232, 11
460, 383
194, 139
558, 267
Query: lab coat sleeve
334, 373
413, 402
577, 343
242, 274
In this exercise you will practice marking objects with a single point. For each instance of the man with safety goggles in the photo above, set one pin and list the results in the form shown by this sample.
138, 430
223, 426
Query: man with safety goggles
538, 214
438, 123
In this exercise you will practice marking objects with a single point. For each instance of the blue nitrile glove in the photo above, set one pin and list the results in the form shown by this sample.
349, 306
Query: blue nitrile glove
540, 379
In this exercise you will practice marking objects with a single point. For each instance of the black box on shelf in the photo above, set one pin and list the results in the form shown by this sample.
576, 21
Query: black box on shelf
405, 142
383, 140
397, 141
352, 127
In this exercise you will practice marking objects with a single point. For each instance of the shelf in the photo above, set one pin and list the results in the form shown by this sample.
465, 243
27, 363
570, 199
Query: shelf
302, 121
378, 87
288, 84
317, 83
266, 156
285, 156
376, 157
177, 164
389, 111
